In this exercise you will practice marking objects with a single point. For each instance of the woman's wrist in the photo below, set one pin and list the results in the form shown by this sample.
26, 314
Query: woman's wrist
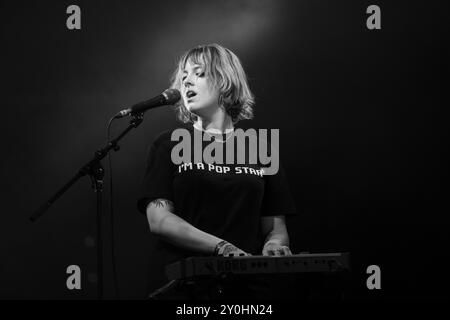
219, 247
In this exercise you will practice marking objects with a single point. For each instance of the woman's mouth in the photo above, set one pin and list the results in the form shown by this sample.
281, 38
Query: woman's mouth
190, 94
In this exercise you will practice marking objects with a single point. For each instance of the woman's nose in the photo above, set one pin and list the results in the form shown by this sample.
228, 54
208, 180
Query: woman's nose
188, 81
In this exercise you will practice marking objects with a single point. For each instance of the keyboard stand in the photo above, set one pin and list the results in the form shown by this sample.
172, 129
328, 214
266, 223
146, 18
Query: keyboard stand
165, 288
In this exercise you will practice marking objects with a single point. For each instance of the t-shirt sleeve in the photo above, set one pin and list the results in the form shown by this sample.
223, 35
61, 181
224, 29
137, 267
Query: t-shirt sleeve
277, 198
157, 182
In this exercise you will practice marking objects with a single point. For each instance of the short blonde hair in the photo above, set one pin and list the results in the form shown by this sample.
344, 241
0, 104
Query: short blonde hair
225, 70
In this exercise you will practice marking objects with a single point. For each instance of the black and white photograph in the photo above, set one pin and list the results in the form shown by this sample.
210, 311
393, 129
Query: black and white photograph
219, 157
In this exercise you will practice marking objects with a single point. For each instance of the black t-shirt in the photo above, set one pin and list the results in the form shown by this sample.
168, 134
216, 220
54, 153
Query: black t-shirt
226, 200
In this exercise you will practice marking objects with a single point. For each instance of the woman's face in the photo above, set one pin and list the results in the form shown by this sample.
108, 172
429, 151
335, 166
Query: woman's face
199, 95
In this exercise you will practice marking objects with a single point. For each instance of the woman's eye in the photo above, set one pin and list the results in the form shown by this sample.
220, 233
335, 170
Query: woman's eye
200, 74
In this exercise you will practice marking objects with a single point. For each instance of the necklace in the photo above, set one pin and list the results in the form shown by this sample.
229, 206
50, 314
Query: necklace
221, 141
213, 137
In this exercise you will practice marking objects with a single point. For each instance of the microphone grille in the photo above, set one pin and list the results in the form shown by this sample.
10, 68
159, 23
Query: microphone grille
172, 96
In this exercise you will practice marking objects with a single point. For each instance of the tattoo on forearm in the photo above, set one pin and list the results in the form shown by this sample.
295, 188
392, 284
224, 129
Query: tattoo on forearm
160, 203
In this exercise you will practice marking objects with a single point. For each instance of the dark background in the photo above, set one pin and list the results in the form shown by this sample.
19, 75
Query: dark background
360, 112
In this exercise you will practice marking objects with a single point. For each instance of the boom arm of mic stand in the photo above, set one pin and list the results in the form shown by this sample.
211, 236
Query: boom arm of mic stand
89, 166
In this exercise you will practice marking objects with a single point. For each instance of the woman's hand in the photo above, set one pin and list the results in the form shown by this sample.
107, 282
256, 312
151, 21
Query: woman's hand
275, 249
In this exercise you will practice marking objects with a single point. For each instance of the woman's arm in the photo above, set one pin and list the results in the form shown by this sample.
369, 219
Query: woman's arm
170, 227
276, 236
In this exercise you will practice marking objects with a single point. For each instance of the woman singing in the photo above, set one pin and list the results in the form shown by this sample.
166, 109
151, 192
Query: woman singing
222, 209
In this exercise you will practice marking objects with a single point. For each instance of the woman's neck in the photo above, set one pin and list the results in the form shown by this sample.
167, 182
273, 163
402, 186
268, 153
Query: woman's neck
222, 123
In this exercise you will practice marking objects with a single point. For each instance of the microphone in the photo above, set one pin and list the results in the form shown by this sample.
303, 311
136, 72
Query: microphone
170, 96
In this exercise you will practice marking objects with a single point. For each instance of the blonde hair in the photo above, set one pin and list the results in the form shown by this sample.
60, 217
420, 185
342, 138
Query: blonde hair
224, 69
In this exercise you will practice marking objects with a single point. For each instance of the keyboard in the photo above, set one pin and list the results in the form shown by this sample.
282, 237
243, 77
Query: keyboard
298, 263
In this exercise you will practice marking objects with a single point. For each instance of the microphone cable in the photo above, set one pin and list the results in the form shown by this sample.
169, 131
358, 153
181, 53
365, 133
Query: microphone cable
111, 210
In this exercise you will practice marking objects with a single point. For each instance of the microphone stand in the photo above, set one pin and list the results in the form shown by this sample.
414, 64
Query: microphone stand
94, 169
